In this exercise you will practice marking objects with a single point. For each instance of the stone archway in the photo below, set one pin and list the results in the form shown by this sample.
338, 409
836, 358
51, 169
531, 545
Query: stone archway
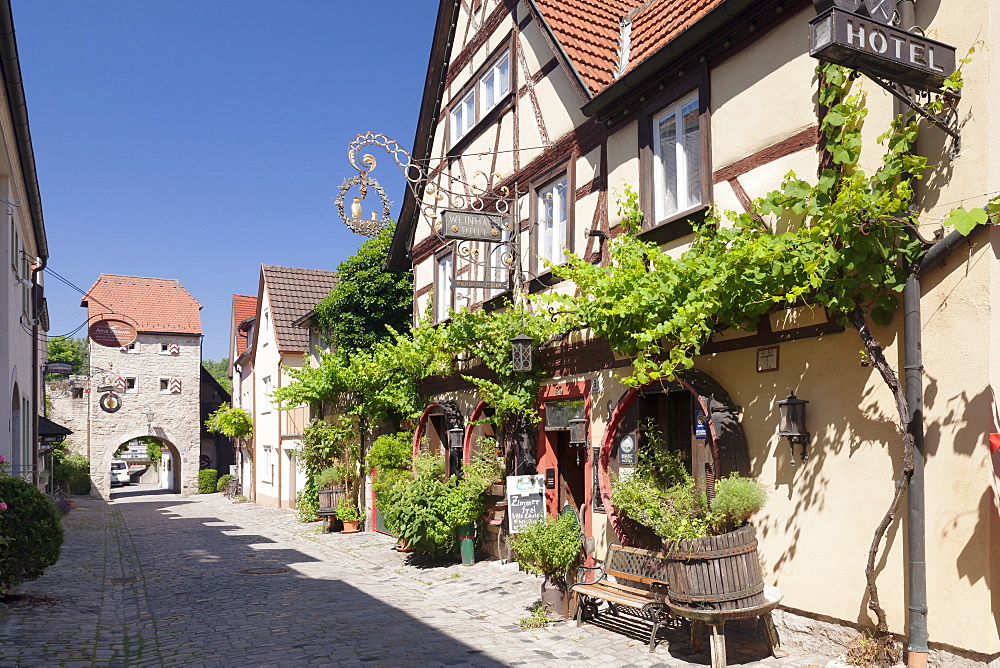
178, 469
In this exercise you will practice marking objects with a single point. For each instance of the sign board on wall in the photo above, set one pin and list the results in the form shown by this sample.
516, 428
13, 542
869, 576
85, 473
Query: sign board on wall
861, 43
626, 450
471, 225
525, 501
112, 333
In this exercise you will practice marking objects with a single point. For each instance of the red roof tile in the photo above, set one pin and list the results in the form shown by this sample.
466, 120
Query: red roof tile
660, 22
155, 304
292, 293
590, 31
244, 306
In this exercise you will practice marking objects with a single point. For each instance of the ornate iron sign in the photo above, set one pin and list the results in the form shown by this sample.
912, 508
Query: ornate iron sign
472, 225
112, 333
864, 44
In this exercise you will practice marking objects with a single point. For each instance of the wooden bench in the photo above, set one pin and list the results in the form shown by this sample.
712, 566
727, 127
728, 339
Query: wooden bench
638, 586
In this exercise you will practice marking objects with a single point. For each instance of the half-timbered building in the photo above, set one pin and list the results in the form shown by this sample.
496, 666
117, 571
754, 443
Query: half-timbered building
546, 111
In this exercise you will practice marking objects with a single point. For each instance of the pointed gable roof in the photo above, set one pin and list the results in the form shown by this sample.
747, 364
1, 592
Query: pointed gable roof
244, 306
588, 31
159, 305
292, 292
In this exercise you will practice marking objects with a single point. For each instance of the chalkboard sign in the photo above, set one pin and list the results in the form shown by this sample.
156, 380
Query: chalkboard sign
525, 501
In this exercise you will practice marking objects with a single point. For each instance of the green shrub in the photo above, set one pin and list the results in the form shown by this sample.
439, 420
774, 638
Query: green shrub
392, 451
223, 482
347, 511
736, 500
207, 480
307, 504
73, 471
549, 547
332, 476
30, 532
388, 486
418, 514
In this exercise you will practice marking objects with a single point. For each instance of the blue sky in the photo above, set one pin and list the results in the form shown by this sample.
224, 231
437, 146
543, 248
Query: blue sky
197, 139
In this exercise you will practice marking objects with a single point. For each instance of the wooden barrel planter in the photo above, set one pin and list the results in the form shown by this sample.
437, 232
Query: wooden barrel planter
329, 499
715, 573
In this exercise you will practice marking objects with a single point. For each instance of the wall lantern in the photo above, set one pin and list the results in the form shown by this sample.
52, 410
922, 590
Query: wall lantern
521, 352
456, 450
792, 424
578, 437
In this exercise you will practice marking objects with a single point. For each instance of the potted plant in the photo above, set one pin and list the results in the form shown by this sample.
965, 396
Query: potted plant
467, 499
550, 548
331, 483
348, 513
702, 533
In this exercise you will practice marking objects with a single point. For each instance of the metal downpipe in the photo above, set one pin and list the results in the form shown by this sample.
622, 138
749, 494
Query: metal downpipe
915, 514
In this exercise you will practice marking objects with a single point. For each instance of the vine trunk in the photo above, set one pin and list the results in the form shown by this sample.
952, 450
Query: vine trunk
877, 356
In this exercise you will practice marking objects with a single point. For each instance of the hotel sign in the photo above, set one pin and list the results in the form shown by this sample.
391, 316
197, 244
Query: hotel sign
875, 48
472, 225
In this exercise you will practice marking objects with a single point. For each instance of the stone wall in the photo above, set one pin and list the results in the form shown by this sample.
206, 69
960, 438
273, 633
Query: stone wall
69, 406
176, 415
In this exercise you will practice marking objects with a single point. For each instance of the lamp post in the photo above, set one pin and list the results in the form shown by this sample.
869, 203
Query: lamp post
149, 419
792, 424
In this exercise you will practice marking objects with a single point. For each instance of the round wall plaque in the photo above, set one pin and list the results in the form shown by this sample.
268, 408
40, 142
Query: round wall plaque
112, 333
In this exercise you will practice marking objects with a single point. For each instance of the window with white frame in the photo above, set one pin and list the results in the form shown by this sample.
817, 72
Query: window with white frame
444, 287
132, 347
267, 466
552, 228
677, 173
490, 88
463, 116
131, 385
495, 83
164, 386
164, 349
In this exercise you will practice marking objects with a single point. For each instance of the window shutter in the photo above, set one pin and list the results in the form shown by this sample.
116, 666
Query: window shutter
120, 384
175, 385
175, 349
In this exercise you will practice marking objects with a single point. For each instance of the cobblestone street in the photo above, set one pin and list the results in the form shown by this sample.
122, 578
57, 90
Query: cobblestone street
157, 579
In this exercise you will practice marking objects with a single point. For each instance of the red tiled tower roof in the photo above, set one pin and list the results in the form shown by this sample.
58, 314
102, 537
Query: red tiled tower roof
159, 305
244, 306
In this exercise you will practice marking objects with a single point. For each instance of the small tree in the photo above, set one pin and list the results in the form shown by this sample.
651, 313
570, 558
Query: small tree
235, 423
71, 351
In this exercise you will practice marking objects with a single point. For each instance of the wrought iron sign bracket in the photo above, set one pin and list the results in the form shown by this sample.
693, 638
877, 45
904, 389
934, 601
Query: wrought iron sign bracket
946, 119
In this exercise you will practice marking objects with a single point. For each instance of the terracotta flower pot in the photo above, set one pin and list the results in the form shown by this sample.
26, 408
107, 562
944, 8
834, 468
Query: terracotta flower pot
350, 527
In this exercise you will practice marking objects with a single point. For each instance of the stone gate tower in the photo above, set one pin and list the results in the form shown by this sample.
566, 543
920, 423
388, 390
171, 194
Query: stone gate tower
158, 377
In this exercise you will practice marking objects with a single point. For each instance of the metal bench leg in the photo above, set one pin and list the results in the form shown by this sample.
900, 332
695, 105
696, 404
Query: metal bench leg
771, 633
657, 616
718, 646
579, 609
